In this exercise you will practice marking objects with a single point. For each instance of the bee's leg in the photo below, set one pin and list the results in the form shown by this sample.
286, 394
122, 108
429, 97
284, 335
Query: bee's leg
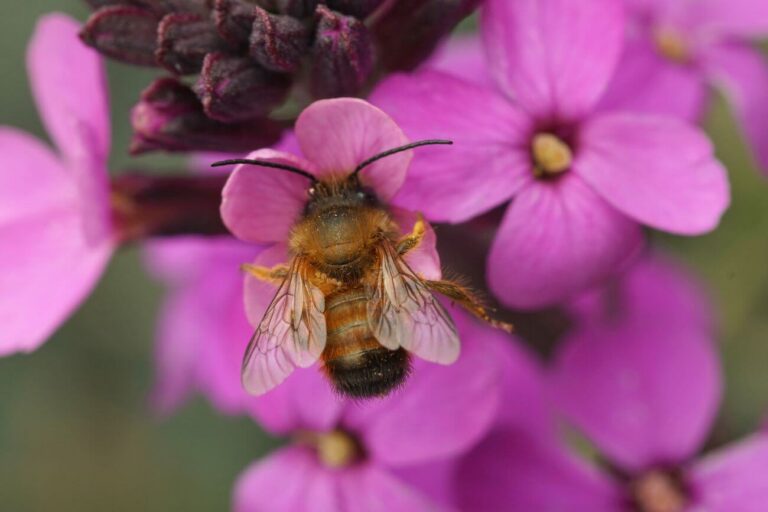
414, 238
276, 274
468, 300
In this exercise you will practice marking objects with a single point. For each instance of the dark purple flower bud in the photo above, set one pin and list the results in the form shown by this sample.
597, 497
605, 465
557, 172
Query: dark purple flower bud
168, 6
183, 40
342, 55
233, 20
409, 32
157, 6
170, 117
237, 89
125, 33
278, 42
358, 8
98, 4
295, 8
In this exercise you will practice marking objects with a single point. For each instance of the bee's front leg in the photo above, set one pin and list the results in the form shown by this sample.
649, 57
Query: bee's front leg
468, 300
414, 238
275, 275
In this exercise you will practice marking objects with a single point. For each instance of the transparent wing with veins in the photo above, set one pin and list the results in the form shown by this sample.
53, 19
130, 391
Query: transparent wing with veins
291, 333
403, 312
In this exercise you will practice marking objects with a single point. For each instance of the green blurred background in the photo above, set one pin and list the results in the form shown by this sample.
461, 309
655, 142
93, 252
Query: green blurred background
75, 430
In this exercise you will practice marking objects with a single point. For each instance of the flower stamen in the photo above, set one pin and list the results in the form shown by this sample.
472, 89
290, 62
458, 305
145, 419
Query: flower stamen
659, 491
672, 45
551, 155
335, 449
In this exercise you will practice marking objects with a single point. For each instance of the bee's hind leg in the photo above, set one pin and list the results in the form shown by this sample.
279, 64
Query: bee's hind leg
276, 274
414, 238
468, 300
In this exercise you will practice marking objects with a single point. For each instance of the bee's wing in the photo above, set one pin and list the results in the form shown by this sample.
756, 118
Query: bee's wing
403, 312
292, 333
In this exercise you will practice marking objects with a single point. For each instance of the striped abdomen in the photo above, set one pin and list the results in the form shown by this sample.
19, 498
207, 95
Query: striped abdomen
355, 362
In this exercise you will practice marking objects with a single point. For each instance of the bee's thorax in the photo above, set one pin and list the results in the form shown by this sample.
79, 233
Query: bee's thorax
341, 225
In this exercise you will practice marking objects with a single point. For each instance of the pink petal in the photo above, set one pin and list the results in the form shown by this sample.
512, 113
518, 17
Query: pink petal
557, 239
260, 204
177, 352
184, 260
63, 73
647, 8
50, 265
338, 134
54, 268
444, 182
304, 401
463, 56
69, 86
555, 57
654, 287
33, 179
424, 259
645, 390
658, 171
742, 73
434, 479
733, 479
372, 489
524, 402
740, 18
291, 480
259, 294
514, 470
427, 419
645, 82
203, 330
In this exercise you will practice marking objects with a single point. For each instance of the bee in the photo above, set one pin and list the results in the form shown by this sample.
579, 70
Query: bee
348, 296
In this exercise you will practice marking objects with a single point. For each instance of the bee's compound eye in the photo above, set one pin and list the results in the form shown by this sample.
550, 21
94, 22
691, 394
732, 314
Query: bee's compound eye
362, 195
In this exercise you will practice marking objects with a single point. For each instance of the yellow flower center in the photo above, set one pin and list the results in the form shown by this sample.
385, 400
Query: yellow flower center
551, 155
658, 491
672, 45
336, 449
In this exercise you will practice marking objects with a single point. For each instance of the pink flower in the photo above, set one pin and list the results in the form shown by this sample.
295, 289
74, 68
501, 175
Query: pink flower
202, 331
639, 377
54, 214
582, 181
677, 51
261, 205
391, 454
463, 56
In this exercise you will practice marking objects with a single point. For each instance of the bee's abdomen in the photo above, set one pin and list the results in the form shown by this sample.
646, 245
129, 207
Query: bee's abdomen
357, 365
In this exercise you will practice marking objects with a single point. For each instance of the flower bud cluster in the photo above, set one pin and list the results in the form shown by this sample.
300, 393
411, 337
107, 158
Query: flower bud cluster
244, 57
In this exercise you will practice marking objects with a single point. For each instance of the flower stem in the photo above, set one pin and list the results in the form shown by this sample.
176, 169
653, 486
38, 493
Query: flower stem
146, 206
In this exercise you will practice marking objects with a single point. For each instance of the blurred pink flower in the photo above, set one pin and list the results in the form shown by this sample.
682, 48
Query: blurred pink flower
261, 205
55, 218
202, 332
639, 376
582, 181
677, 50
390, 454
463, 56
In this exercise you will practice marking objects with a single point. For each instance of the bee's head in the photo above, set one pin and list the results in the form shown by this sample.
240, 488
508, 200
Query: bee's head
345, 191
348, 189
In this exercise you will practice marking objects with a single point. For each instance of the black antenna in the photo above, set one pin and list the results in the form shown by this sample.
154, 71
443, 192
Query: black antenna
266, 163
400, 149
